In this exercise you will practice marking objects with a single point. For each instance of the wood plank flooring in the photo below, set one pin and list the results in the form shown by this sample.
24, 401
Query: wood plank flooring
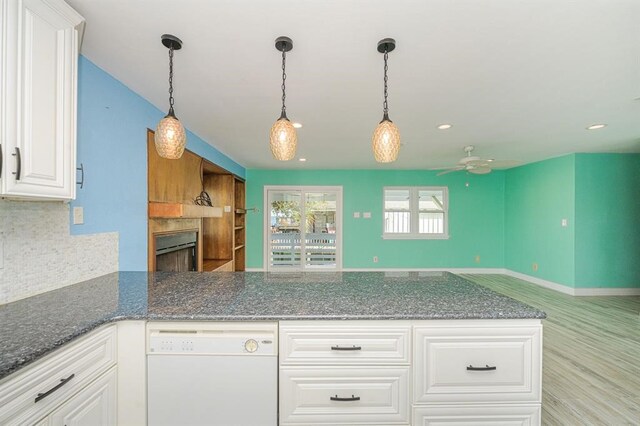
591, 353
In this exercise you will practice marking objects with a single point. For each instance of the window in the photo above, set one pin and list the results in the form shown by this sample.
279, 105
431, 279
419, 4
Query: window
416, 212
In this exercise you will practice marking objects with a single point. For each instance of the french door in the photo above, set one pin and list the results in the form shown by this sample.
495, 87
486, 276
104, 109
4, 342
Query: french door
303, 228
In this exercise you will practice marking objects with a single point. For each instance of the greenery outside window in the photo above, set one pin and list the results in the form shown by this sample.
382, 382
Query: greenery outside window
416, 212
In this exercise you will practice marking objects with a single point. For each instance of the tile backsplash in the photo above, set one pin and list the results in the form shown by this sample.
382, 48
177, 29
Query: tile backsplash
39, 254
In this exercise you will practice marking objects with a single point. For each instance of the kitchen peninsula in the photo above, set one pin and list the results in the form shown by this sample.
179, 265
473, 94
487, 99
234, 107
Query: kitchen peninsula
429, 320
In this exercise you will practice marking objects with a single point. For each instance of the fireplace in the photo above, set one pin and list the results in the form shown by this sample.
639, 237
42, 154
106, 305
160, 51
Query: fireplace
176, 252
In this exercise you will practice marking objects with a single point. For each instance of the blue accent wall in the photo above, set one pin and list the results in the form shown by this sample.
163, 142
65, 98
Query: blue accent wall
112, 145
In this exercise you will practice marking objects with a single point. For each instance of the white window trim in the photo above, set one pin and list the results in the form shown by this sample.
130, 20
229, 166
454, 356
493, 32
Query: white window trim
414, 214
267, 226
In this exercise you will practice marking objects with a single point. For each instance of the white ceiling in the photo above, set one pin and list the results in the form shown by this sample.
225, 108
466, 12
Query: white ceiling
519, 79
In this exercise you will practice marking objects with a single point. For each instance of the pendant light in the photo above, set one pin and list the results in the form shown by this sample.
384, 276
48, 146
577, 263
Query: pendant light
386, 137
283, 139
170, 136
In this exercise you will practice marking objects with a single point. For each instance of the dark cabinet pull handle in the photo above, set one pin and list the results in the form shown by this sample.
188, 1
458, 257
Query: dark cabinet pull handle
337, 398
81, 169
346, 348
63, 382
17, 155
1, 159
487, 368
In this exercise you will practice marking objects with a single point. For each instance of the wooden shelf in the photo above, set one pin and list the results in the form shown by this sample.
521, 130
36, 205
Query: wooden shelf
238, 228
239, 247
215, 264
177, 210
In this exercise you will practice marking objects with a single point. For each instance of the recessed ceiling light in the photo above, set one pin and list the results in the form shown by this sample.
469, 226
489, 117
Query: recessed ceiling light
445, 126
302, 159
596, 126
297, 125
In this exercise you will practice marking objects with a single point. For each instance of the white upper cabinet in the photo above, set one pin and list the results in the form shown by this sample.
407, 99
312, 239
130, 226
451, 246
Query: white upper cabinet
39, 61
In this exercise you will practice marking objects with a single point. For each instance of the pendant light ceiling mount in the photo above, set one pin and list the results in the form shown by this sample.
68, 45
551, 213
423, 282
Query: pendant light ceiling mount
284, 44
386, 45
171, 42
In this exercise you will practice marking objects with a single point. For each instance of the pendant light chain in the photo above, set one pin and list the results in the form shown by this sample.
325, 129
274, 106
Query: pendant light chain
284, 78
171, 113
385, 105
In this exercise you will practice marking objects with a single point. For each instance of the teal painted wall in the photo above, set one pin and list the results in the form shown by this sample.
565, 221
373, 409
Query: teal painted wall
112, 146
476, 218
537, 197
608, 220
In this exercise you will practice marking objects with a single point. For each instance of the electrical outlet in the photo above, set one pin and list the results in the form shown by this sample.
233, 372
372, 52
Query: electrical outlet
227, 209
534, 266
375, 259
78, 215
477, 259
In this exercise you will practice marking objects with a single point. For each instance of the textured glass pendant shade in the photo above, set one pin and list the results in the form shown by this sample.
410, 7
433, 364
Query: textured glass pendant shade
170, 138
386, 142
283, 140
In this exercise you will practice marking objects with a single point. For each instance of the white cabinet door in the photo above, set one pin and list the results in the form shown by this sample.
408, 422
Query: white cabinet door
38, 116
95, 405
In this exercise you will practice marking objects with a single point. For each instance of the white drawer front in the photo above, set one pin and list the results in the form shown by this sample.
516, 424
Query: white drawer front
306, 395
477, 365
344, 345
486, 415
85, 360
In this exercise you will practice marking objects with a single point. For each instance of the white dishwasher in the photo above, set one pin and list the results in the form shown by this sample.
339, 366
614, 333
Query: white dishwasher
212, 373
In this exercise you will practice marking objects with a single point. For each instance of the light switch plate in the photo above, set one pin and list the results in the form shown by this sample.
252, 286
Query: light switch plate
366, 215
356, 215
564, 223
78, 215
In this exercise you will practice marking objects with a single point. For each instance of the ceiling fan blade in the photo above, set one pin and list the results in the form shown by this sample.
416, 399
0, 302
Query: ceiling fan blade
480, 162
455, 169
443, 168
480, 170
504, 164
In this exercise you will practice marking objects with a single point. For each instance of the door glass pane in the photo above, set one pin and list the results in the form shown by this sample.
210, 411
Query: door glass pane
431, 211
397, 211
285, 229
320, 229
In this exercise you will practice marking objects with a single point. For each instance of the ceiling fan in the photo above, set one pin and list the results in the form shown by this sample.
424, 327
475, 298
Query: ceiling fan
476, 165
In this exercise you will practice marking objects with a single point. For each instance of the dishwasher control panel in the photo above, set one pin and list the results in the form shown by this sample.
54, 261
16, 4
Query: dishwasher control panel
202, 341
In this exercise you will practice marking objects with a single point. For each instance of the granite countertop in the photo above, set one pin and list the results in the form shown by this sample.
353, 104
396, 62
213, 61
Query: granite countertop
33, 327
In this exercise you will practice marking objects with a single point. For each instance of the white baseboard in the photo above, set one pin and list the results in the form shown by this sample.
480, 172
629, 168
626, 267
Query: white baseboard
542, 283
603, 291
572, 291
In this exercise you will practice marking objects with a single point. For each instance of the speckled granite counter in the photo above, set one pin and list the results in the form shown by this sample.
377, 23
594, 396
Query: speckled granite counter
32, 327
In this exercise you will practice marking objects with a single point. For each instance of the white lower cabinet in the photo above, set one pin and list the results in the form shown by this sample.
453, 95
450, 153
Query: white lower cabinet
35, 392
485, 415
93, 406
477, 372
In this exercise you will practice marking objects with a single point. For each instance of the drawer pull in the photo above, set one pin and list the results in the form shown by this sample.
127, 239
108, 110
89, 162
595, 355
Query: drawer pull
63, 382
337, 398
346, 348
487, 368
